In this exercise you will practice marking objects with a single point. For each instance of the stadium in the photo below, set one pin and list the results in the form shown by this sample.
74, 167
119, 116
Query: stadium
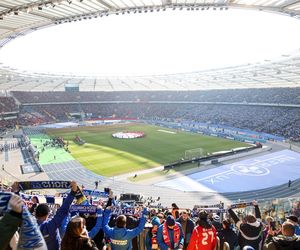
226, 135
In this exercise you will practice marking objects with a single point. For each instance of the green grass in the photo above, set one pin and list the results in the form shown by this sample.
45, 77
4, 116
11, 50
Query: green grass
109, 156
47, 157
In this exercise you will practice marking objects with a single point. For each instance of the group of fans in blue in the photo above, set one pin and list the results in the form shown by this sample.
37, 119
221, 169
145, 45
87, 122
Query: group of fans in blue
165, 230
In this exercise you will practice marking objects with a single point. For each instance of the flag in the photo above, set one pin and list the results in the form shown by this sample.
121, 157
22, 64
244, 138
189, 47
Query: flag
81, 198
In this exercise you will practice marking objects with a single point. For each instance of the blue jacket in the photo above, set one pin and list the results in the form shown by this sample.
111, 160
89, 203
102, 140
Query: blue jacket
49, 228
160, 239
121, 237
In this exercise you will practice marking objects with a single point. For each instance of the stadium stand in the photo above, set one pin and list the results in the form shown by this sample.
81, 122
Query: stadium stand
7, 104
281, 121
257, 95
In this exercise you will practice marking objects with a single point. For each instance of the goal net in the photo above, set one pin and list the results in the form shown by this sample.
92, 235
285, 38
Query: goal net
195, 153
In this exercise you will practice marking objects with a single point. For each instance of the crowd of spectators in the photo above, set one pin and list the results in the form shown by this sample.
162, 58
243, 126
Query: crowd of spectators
7, 104
113, 226
268, 95
7, 124
280, 121
276, 120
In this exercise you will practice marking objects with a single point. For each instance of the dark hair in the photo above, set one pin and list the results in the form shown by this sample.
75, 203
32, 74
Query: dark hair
250, 218
226, 223
175, 206
42, 210
73, 238
288, 228
121, 221
203, 221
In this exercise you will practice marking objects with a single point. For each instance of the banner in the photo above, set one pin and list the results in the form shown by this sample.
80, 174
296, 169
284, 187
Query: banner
209, 206
126, 211
49, 199
241, 205
84, 209
25, 185
88, 192
216, 210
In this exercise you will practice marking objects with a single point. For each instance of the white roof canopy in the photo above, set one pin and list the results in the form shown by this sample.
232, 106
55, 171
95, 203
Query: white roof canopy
17, 18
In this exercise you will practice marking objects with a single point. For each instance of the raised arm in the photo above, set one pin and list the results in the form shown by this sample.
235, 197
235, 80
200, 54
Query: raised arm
134, 232
107, 229
233, 215
98, 225
63, 211
257, 210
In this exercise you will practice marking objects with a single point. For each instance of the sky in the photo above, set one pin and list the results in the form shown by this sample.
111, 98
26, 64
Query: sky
155, 43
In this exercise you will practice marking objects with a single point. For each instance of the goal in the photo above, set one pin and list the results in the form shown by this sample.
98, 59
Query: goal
195, 153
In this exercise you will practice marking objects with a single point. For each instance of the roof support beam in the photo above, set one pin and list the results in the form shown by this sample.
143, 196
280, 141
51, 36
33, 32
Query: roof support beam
166, 2
105, 4
6, 28
289, 3
42, 15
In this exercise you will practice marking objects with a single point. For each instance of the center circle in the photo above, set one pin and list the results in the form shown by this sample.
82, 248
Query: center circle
128, 135
250, 170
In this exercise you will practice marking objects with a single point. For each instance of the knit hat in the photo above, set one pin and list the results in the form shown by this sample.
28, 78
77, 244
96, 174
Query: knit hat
170, 221
216, 218
155, 221
248, 248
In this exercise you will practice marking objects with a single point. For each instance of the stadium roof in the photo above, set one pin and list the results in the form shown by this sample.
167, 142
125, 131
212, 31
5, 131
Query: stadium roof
18, 18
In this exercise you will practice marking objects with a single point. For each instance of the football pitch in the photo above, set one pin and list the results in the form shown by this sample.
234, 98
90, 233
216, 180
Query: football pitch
110, 156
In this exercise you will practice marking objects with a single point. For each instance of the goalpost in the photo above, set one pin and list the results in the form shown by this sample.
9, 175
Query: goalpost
194, 153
